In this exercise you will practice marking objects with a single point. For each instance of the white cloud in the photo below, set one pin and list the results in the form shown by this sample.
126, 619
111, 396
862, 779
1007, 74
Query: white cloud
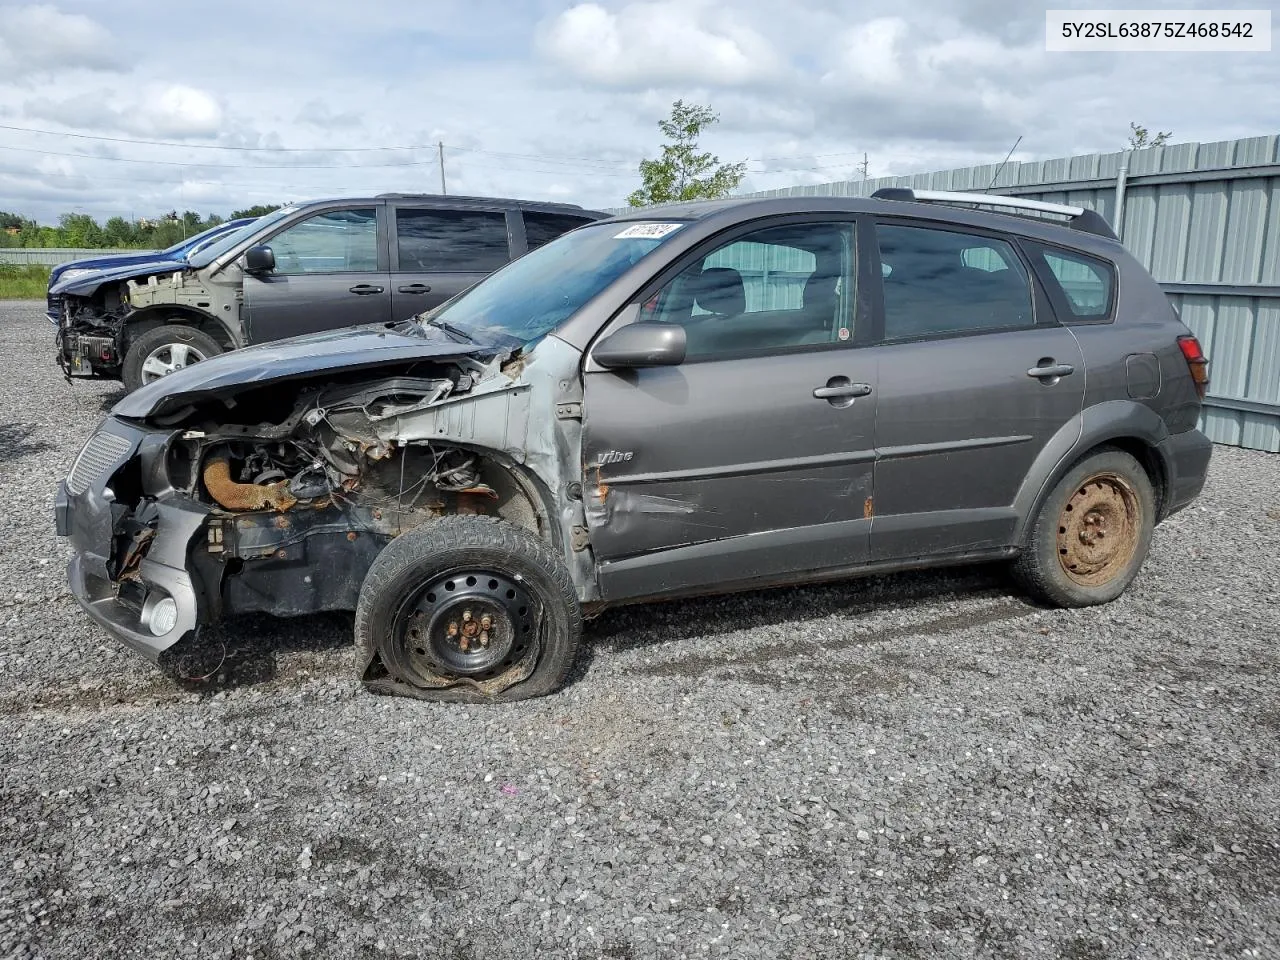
870, 54
649, 44
157, 110
42, 40
178, 110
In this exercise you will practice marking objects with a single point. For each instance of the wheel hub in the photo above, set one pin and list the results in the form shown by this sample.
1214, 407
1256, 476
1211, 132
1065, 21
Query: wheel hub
470, 624
167, 358
1098, 529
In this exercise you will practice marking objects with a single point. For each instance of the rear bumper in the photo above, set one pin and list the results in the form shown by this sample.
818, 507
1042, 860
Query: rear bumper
1186, 461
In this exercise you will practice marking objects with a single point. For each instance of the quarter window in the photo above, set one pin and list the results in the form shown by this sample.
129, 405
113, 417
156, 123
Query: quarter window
940, 282
451, 241
779, 288
340, 241
1085, 283
540, 228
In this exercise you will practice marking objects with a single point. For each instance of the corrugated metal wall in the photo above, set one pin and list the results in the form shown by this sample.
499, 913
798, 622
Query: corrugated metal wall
51, 256
1205, 220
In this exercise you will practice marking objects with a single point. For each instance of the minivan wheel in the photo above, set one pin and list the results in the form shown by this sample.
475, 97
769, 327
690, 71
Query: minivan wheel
470, 609
1092, 533
164, 349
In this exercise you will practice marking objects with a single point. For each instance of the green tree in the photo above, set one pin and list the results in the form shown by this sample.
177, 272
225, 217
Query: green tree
683, 173
1140, 137
10, 221
117, 232
80, 230
260, 210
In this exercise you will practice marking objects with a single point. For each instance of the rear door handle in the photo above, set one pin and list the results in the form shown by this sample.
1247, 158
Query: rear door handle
841, 388
414, 288
365, 289
1048, 370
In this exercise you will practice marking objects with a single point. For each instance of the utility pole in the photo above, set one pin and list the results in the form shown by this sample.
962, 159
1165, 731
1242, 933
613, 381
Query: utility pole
440, 144
864, 166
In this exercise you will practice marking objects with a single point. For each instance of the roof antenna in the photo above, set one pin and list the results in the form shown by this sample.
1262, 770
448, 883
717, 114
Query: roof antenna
1002, 163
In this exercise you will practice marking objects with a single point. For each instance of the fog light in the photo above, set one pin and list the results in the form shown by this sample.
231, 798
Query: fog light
162, 617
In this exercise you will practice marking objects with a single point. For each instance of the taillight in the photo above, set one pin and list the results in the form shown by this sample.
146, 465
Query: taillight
1197, 362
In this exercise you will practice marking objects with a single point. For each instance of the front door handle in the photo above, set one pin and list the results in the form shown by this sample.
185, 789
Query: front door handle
841, 391
414, 288
1046, 369
365, 289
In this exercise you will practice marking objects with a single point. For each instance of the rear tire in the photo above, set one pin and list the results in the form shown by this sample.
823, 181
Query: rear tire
1092, 532
164, 349
467, 609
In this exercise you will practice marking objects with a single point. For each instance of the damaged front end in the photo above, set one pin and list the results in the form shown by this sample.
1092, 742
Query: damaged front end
90, 333
277, 496
91, 314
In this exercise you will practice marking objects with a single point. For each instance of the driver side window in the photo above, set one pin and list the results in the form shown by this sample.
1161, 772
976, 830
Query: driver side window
340, 241
782, 288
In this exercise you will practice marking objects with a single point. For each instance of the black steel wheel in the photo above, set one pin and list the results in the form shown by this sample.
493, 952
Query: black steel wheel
467, 608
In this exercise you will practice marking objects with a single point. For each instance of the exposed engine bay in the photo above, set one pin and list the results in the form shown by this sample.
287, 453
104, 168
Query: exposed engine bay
302, 489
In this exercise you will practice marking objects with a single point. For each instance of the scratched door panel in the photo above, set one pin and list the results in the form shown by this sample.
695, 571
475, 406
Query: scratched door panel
727, 470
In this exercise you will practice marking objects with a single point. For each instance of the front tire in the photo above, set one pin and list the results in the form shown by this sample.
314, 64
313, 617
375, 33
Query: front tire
467, 609
1092, 533
163, 350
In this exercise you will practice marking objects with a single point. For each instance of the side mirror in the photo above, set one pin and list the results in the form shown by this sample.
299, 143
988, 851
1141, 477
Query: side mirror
642, 345
259, 259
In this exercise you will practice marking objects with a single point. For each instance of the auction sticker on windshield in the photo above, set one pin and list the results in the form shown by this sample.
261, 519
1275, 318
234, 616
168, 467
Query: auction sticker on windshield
647, 231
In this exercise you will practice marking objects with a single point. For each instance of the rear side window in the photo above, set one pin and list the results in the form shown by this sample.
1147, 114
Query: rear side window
454, 241
941, 282
540, 228
1084, 282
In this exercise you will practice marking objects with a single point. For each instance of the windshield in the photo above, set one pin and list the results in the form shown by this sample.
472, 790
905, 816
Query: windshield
189, 242
533, 295
229, 242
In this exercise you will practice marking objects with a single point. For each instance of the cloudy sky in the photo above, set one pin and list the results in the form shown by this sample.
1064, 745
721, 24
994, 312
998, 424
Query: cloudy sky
246, 101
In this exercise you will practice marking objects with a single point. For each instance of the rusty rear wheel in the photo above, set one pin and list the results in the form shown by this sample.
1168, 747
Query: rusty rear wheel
1092, 533
1098, 529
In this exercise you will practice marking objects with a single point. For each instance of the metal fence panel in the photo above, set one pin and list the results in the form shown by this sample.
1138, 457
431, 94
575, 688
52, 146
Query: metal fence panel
52, 256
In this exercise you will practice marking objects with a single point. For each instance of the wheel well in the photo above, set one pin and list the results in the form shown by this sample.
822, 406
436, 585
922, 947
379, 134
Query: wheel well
144, 320
521, 501
1146, 455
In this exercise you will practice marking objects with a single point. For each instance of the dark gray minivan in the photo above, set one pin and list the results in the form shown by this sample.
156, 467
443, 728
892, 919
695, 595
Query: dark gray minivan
304, 268
683, 400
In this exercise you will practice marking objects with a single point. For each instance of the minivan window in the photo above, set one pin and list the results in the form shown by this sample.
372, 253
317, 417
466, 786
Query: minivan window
540, 228
940, 282
339, 241
457, 241
1085, 283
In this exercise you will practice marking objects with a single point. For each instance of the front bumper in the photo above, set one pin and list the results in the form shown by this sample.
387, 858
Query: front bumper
89, 516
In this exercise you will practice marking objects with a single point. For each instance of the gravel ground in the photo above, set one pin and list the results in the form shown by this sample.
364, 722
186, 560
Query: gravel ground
908, 766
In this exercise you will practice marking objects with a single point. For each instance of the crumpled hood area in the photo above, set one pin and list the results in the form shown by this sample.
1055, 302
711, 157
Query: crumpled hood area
349, 349
83, 286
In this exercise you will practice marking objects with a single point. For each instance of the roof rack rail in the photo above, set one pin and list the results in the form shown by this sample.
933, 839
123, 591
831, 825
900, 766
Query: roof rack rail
1078, 218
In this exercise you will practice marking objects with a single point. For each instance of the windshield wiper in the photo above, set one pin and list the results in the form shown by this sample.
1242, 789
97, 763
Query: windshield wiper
449, 328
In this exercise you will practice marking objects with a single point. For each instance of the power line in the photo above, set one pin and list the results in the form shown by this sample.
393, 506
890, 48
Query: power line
209, 146
225, 166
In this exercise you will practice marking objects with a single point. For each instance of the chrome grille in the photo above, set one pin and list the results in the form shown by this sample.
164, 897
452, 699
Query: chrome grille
100, 454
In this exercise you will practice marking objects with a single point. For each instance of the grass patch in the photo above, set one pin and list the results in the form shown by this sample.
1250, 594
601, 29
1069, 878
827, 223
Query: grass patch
23, 281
